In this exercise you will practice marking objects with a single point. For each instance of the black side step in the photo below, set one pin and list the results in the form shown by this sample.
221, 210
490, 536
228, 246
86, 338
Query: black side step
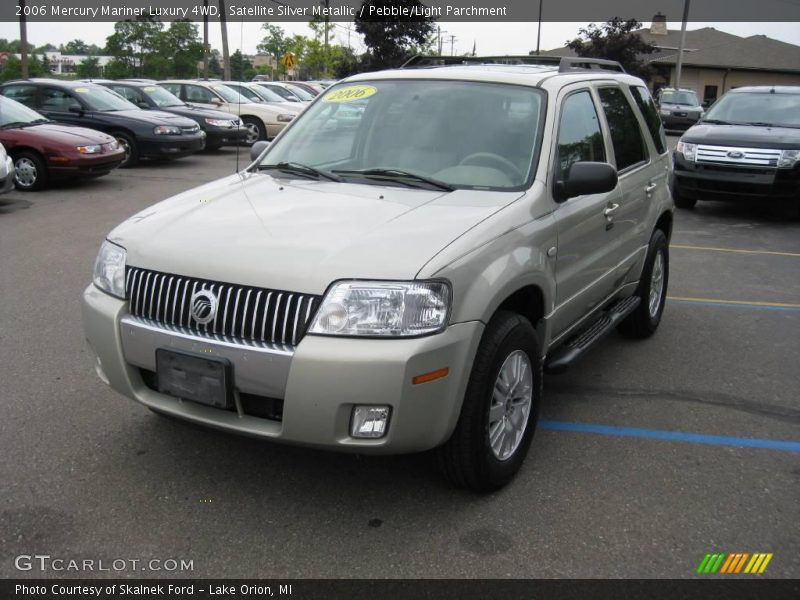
579, 344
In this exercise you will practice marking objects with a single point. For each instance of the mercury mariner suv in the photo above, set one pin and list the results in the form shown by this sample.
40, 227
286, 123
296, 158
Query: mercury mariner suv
395, 271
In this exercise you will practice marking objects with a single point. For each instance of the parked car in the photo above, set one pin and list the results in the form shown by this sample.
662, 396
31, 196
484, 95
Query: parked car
43, 151
286, 92
140, 133
679, 109
746, 146
6, 171
312, 90
220, 127
397, 283
259, 94
263, 122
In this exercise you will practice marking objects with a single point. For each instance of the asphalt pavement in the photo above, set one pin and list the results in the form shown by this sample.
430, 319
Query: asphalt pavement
636, 471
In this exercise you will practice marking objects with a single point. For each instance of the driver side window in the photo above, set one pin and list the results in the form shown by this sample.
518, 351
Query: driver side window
579, 135
195, 93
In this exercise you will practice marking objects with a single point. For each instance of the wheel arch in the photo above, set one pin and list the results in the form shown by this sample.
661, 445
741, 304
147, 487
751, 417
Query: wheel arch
664, 223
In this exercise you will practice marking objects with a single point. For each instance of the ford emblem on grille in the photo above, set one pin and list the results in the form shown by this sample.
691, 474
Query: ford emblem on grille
735, 154
203, 306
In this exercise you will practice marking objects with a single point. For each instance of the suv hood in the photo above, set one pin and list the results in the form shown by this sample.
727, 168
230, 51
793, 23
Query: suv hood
300, 235
748, 136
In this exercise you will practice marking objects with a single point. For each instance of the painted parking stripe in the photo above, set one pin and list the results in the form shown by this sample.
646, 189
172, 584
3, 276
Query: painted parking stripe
785, 306
733, 250
672, 436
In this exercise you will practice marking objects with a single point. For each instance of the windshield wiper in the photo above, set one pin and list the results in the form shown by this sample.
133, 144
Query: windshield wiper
300, 168
396, 174
716, 122
13, 124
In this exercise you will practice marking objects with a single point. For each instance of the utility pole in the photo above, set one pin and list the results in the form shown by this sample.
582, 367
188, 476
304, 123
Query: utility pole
23, 39
226, 57
679, 64
539, 29
327, 20
439, 40
452, 39
205, 39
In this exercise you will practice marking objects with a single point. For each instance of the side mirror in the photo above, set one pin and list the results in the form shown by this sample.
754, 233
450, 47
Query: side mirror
143, 105
586, 178
257, 148
78, 110
216, 101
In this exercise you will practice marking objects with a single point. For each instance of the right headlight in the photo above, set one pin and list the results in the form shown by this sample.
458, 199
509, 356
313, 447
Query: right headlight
788, 159
109, 269
227, 123
689, 151
383, 309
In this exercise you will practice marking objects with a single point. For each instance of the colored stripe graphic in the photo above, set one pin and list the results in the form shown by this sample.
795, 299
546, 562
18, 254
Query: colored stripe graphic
734, 563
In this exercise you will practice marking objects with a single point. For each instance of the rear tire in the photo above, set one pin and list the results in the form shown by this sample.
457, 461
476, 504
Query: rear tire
652, 290
30, 172
500, 409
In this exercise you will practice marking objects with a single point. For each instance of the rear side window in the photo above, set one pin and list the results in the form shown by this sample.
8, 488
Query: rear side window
646, 105
626, 137
58, 100
579, 135
24, 94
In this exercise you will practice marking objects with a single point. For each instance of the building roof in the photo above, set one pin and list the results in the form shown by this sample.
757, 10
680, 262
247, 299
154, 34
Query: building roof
708, 47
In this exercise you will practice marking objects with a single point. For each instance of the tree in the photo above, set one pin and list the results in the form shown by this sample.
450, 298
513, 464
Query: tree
391, 43
12, 69
75, 47
214, 66
182, 49
89, 68
615, 40
133, 40
241, 67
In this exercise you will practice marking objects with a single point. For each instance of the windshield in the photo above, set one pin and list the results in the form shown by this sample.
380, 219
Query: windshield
12, 112
463, 134
301, 93
103, 100
763, 108
229, 95
265, 94
685, 98
162, 97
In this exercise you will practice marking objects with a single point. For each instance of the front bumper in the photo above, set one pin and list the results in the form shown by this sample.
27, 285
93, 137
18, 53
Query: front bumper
171, 146
679, 120
731, 182
316, 384
217, 136
90, 165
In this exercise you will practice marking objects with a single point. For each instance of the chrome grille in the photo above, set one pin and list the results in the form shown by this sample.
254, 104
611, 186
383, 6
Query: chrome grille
757, 157
244, 314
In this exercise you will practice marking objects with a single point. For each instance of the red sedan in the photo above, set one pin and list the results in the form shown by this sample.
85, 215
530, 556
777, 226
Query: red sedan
43, 151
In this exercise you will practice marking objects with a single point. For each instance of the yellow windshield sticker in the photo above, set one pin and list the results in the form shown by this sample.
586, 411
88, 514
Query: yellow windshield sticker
82, 90
350, 93
150, 88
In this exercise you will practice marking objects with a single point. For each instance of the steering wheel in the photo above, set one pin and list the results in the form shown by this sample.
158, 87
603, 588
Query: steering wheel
494, 160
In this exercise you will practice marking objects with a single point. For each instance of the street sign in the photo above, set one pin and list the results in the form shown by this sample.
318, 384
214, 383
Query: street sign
289, 60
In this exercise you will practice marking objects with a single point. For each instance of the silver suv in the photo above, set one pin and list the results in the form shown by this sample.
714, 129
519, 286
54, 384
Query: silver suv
395, 271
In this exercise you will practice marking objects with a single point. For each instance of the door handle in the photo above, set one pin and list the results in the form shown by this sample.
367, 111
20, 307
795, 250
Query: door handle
650, 187
610, 210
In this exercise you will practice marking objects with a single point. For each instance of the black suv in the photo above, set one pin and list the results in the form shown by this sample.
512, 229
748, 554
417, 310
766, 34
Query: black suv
222, 129
143, 134
746, 146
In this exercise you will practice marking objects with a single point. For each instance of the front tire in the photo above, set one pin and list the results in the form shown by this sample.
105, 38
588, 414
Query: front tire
500, 409
128, 144
30, 172
255, 130
652, 290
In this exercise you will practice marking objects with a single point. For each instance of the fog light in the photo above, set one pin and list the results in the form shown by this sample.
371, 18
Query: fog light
369, 421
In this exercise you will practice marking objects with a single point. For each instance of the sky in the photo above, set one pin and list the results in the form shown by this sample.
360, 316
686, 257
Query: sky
489, 38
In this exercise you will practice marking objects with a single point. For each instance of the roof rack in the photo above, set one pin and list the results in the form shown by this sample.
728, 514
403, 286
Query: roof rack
565, 64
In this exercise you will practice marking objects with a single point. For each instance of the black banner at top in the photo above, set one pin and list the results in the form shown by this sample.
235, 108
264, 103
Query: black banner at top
389, 10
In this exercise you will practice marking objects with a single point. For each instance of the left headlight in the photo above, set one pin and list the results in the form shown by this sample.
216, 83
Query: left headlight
167, 130
383, 309
93, 149
285, 118
226, 123
109, 269
788, 159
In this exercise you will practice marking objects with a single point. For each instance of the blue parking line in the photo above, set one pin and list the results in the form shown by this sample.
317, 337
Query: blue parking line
672, 436
737, 305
